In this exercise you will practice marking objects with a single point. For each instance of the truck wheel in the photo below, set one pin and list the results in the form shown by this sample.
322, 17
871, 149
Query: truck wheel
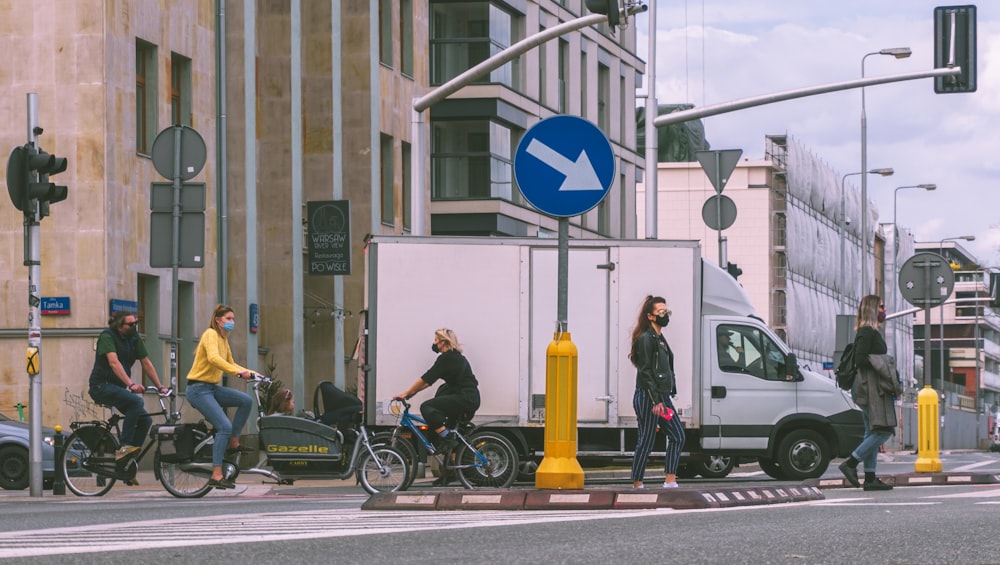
716, 466
771, 469
803, 454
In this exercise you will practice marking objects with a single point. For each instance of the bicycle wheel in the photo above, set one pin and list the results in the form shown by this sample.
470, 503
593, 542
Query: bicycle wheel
386, 472
183, 480
405, 447
94, 449
492, 461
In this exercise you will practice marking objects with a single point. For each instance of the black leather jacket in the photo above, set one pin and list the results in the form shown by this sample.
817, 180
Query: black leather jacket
651, 354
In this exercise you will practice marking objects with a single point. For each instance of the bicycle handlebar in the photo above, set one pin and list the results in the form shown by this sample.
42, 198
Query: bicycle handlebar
153, 390
259, 378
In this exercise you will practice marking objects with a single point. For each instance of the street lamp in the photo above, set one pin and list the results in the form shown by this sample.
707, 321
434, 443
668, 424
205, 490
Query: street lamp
894, 306
885, 172
899, 53
941, 321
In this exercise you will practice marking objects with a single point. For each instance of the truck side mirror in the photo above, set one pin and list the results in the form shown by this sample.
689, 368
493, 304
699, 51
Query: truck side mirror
792, 371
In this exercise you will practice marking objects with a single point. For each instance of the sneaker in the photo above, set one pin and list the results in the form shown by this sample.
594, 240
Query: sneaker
670, 485
125, 451
851, 473
877, 484
446, 443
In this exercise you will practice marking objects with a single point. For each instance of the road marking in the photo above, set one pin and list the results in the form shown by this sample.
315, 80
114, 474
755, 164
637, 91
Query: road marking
971, 466
297, 525
980, 493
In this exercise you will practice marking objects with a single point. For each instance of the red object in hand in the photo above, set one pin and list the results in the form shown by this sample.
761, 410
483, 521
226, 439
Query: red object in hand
667, 413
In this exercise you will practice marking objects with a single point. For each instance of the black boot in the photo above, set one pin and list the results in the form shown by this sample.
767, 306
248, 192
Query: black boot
850, 470
875, 483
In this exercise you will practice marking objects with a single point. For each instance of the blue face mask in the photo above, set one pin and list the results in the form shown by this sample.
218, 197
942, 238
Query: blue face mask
228, 326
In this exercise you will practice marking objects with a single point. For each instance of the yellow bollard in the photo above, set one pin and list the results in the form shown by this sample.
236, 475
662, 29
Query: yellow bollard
559, 468
927, 432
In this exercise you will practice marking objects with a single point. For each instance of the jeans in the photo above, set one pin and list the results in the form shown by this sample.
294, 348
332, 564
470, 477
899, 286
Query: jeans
137, 422
210, 400
867, 451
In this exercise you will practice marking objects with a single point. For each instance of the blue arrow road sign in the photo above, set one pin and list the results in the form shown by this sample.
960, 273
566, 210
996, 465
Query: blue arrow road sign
564, 166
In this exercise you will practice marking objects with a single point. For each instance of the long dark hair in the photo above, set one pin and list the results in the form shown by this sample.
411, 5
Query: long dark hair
643, 323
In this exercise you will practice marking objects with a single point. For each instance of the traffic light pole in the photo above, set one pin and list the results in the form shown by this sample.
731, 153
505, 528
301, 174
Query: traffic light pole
32, 260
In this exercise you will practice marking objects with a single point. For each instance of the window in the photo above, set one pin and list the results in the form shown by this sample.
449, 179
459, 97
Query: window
604, 216
464, 34
385, 32
471, 160
622, 109
603, 95
145, 96
584, 85
406, 36
755, 353
406, 161
388, 208
180, 90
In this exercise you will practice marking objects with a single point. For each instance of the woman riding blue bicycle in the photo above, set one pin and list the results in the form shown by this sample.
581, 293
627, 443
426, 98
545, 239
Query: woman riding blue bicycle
458, 397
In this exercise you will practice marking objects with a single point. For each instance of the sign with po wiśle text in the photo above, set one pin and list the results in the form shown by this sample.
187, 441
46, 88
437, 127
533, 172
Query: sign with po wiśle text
329, 237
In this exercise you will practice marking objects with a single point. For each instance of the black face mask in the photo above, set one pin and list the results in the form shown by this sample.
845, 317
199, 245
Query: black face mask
434, 348
662, 321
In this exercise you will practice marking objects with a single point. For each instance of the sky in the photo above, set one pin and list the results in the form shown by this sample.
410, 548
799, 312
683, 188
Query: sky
714, 51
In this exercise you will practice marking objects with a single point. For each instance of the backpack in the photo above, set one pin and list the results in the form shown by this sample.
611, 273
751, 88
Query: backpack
846, 370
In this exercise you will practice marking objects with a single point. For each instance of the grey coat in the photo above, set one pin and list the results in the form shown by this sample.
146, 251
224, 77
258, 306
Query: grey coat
876, 388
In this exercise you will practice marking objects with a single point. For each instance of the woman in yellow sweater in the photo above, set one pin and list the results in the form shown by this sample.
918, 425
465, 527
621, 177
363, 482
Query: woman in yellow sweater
206, 393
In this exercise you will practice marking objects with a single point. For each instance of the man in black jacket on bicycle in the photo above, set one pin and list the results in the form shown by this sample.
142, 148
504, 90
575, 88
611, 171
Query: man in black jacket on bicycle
118, 348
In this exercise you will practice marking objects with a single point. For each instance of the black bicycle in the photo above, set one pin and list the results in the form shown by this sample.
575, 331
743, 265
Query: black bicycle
91, 467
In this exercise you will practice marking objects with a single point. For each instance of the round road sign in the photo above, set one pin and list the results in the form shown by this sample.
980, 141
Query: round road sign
193, 153
716, 204
926, 279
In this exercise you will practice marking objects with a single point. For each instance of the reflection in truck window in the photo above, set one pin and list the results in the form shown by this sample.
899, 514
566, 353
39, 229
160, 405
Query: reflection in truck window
750, 351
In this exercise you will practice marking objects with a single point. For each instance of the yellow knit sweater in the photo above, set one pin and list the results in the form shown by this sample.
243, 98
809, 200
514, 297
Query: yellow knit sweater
212, 358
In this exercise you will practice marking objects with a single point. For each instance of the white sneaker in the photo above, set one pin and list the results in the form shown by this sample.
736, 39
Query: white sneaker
670, 485
124, 451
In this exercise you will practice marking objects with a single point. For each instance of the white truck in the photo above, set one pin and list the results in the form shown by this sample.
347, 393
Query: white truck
500, 297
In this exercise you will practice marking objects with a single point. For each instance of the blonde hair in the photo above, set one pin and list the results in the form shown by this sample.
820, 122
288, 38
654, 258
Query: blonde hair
449, 337
868, 312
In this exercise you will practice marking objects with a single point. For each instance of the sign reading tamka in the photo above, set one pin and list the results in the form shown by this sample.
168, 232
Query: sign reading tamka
329, 237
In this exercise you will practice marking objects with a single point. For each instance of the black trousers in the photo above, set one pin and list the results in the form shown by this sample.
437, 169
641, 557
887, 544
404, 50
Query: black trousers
447, 409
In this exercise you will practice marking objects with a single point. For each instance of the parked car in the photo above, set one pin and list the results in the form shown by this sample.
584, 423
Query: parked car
14, 461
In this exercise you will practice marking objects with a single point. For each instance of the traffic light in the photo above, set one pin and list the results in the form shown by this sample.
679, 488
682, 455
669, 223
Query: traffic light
20, 182
607, 7
734, 270
955, 46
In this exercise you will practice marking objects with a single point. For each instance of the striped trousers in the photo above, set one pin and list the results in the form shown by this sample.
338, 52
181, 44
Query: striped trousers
648, 422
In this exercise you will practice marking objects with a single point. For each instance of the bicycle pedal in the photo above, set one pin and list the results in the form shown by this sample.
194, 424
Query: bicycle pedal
132, 482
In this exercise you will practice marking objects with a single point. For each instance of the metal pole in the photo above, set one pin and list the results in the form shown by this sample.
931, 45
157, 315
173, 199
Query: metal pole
941, 327
32, 236
864, 187
979, 388
652, 109
562, 274
175, 261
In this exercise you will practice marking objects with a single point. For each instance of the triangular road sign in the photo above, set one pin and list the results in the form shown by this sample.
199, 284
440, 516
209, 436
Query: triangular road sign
719, 165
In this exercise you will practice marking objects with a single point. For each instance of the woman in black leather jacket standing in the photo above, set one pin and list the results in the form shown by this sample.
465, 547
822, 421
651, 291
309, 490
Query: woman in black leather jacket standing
654, 385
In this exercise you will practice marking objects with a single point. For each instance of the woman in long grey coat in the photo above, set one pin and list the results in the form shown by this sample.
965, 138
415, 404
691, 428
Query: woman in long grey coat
875, 390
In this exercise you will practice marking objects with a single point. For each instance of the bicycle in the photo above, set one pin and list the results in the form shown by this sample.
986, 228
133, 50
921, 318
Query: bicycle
93, 443
299, 445
480, 458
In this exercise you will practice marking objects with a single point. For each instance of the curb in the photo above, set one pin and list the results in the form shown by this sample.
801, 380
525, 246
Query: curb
682, 498
915, 479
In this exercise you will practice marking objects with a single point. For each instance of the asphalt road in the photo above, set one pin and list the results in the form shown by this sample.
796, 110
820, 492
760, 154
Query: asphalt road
312, 522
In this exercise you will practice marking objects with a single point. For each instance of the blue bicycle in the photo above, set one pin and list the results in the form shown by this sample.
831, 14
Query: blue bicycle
480, 457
